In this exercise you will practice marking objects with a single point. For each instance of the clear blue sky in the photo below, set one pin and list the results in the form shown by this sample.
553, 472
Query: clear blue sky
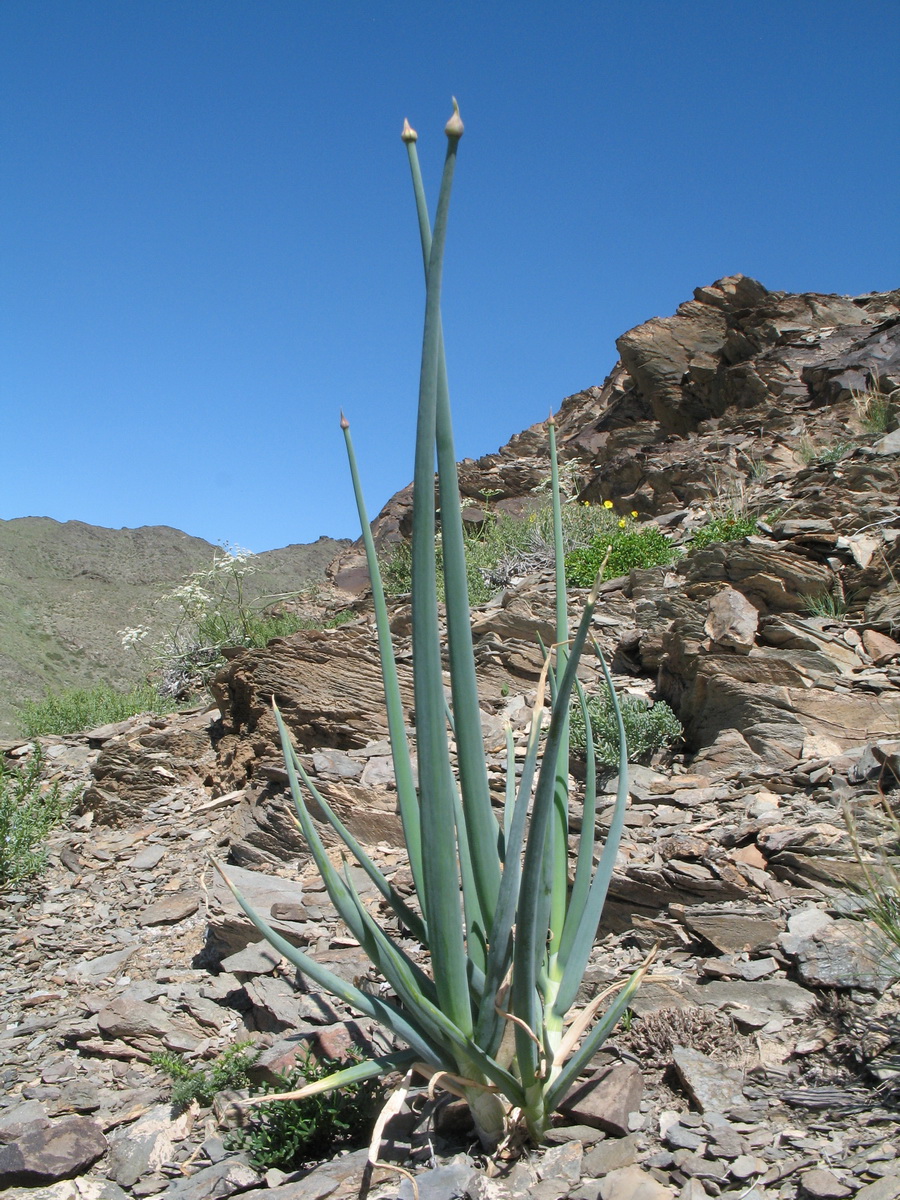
208, 242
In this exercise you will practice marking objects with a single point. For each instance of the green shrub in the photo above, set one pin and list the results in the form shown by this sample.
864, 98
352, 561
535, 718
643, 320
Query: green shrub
630, 548
28, 811
648, 728
85, 708
201, 1081
729, 527
289, 1133
500, 539
506, 544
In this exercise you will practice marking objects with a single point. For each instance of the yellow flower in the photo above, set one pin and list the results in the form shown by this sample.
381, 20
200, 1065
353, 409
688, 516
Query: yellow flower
607, 503
634, 512
622, 523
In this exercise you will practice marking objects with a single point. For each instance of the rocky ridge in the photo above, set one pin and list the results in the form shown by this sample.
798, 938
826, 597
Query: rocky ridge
762, 1059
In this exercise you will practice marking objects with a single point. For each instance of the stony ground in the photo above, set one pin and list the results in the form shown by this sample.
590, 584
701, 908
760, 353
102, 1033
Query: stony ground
758, 1062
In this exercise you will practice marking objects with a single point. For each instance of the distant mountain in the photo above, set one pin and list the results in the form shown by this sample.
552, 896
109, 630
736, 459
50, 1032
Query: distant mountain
67, 588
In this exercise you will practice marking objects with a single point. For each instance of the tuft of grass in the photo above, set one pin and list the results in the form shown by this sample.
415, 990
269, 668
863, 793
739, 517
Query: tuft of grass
877, 410
85, 708
287, 1134
729, 527
201, 1082
880, 893
826, 605
29, 810
652, 1038
648, 728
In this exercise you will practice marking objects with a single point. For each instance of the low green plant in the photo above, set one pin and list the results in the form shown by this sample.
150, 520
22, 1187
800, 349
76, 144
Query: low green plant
501, 537
507, 940
813, 455
29, 810
86, 708
201, 1081
287, 1134
630, 547
506, 544
727, 527
648, 727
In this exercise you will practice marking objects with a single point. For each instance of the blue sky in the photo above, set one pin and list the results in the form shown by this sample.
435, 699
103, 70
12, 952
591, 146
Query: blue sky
208, 242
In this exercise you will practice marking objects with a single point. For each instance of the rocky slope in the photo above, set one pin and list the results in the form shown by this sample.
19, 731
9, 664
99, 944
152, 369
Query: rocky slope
67, 588
763, 1058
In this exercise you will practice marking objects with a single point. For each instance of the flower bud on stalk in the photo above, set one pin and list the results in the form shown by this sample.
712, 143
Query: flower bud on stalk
454, 127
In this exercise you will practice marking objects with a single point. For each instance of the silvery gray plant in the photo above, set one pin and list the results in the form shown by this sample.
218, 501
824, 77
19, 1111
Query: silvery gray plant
507, 937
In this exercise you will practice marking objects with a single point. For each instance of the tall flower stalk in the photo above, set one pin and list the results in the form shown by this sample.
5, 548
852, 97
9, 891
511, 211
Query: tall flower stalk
508, 939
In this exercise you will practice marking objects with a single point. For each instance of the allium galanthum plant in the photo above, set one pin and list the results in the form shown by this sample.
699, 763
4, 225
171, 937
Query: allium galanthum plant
508, 938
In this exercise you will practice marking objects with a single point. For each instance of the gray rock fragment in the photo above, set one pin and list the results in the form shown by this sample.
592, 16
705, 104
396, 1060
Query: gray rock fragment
220, 1180
46, 1151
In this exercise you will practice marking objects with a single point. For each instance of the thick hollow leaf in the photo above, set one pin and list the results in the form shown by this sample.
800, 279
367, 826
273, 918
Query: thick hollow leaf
440, 870
380, 1010
407, 800
372, 1068
594, 1039
531, 928
406, 915
581, 930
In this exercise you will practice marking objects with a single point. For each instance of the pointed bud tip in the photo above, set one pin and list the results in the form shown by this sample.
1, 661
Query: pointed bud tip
551, 420
408, 134
454, 127
345, 424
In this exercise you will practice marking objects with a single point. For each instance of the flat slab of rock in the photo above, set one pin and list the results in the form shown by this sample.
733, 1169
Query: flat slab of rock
633, 1183
823, 1185
170, 910
257, 958
46, 1151
83, 1188
93, 970
732, 621
136, 1020
775, 997
732, 933
342, 1176
843, 954
713, 1086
